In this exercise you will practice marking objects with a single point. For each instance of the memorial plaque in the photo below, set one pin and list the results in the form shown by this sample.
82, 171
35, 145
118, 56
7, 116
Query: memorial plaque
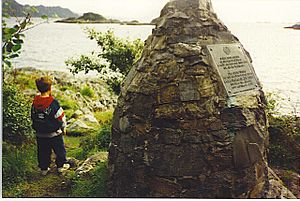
234, 67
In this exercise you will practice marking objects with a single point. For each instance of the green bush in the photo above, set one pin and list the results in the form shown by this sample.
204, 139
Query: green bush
113, 61
18, 164
17, 128
96, 141
92, 185
114, 83
284, 148
87, 91
103, 137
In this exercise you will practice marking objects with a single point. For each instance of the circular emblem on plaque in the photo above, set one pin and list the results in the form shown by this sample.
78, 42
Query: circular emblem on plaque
226, 50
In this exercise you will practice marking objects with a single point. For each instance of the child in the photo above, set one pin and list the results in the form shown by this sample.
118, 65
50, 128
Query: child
49, 122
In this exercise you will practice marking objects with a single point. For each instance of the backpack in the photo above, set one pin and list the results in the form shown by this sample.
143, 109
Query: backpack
43, 120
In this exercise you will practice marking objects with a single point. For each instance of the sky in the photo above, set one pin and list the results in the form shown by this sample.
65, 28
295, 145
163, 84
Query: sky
146, 10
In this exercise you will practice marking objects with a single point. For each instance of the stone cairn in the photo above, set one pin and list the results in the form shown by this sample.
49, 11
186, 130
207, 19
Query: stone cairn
177, 131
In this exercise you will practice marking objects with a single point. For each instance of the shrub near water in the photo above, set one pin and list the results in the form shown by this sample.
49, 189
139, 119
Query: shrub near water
113, 61
16, 116
284, 148
18, 153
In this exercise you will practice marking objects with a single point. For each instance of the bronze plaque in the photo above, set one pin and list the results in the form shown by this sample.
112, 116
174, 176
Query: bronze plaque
234, 67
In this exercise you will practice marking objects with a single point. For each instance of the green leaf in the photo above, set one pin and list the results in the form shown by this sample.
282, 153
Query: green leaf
16, 47
8, 63
10, 30
9, 47
6, 38
18, 41
13, 56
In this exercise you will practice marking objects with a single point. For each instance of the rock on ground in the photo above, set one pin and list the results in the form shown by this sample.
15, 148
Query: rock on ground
91, 162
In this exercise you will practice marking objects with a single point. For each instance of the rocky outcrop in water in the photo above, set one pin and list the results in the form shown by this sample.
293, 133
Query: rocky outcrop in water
295, 26
177, 130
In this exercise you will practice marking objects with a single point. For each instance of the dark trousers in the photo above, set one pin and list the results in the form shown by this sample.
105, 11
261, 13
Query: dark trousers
45, 146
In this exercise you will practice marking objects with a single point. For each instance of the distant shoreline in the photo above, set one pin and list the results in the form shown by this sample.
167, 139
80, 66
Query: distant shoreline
94, 18
295, 27
102, 22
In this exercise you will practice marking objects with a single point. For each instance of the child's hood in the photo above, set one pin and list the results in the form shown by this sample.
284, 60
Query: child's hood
40, 102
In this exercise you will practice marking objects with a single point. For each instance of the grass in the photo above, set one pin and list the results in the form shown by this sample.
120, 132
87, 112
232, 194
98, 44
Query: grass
66, 103
69, 105
104, 117
73, 148
22, 164
19, 164
51, 185
26, 80
93, 184
87, 91
67, 87
81, 132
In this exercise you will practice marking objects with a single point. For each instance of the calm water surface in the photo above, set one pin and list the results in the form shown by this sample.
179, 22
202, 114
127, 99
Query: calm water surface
275, 51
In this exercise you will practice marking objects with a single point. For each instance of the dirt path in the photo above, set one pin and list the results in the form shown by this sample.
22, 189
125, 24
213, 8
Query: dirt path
51, 185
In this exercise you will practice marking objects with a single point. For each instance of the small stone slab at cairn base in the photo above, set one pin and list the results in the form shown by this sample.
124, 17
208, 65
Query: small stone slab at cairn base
177, 130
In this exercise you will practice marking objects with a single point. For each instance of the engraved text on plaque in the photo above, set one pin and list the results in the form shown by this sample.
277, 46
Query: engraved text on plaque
234, 68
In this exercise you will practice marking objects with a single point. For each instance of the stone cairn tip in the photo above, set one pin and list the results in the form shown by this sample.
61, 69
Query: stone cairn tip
187, 4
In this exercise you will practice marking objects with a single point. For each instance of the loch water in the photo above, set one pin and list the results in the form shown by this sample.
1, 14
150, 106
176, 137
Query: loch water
275, 51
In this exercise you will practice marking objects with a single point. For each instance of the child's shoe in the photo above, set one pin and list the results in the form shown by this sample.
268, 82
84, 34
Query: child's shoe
63, 168
44, 172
